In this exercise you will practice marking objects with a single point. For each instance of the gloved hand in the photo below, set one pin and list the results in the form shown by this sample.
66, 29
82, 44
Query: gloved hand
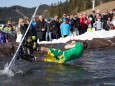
34, 45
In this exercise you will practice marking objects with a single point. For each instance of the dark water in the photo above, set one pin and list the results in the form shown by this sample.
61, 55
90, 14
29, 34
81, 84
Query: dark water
95, 68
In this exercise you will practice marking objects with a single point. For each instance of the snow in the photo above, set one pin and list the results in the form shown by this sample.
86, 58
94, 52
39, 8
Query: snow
85, 36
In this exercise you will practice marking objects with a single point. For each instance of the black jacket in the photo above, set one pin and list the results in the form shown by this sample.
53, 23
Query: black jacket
39, 26
48, 27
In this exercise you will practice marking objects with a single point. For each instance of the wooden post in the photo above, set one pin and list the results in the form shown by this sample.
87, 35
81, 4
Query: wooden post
93, 5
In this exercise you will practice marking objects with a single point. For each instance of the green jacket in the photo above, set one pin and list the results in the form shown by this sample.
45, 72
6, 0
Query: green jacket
6, 30
74, 53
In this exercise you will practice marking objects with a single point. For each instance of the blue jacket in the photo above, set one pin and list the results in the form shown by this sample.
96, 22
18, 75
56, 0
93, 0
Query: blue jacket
65, 29
33, 28
2, 38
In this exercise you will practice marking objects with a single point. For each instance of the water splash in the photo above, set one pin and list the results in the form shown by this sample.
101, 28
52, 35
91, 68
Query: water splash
10, 73
7, 71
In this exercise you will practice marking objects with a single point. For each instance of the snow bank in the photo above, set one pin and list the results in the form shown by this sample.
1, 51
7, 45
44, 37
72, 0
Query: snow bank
85, 36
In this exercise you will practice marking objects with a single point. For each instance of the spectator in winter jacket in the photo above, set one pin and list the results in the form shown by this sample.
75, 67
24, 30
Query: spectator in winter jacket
98, 25
48, 29
63, 18
21, 29
75, 24
33, 26
98, 15
65, 28
11, 35
83, 23
2, 37
55, 28
107, 24
40, 28
9, 23
113, 23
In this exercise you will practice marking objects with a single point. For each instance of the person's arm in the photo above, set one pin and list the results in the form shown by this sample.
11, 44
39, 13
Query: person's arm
61, 28
108, 23
95, 24
45, 26
71, 45
102, 25
6, 36
43, 29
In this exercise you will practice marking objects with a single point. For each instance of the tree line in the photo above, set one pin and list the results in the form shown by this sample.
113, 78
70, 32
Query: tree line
72, 6
69, 6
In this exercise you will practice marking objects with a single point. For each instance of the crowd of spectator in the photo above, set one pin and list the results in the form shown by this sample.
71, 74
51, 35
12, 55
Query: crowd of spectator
47, 29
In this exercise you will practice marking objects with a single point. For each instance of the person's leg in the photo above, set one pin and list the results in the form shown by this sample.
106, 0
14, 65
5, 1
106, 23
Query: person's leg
31, 58
54, 55
41, 57
77, 32
80, 31
57, 36
47, 55
46, 36
28, 57
74, 33
21, 53
50, 37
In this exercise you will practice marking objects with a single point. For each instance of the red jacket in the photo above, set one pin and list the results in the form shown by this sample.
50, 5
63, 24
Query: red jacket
84, 22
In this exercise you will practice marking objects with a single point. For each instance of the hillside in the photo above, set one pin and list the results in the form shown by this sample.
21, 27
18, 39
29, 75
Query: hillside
75, 6
16, 12
102, 7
